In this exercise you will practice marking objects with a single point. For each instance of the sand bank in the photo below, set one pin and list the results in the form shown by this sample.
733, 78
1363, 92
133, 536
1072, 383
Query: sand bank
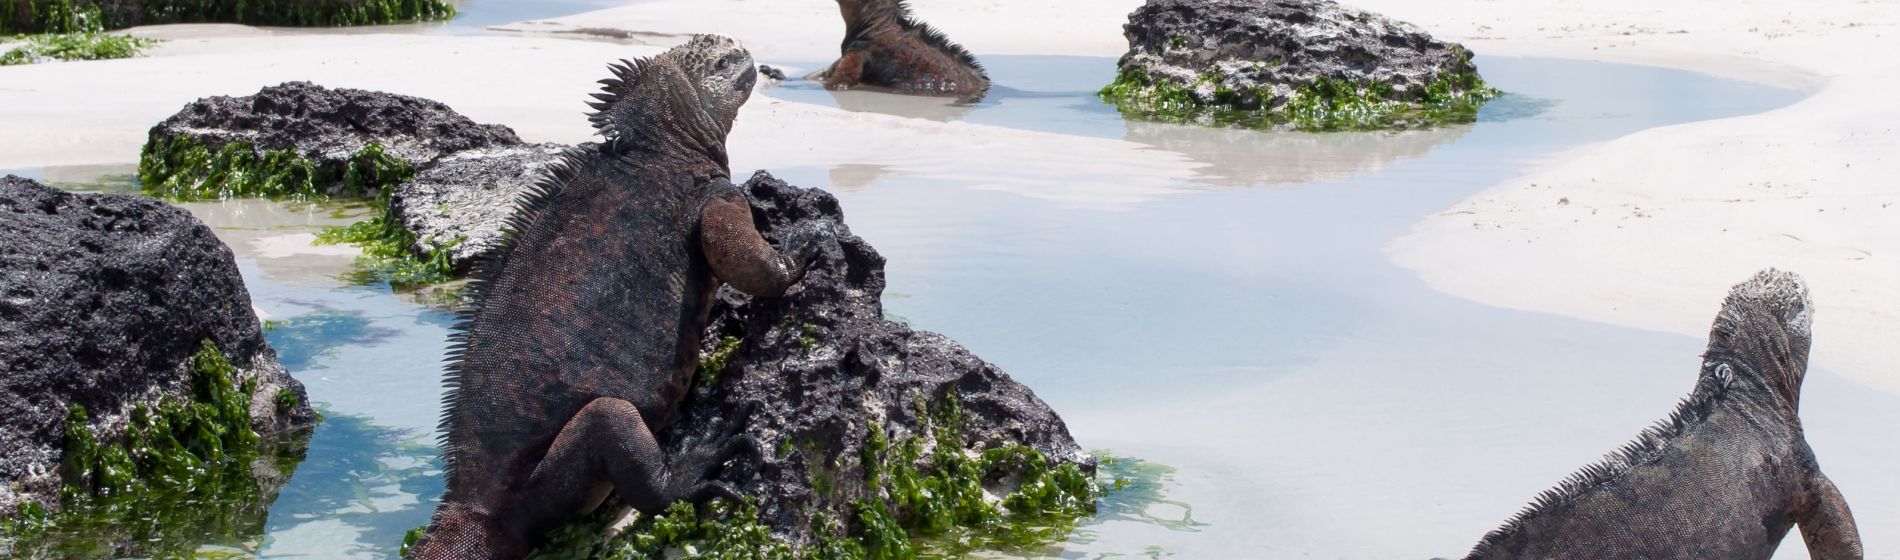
1647, 230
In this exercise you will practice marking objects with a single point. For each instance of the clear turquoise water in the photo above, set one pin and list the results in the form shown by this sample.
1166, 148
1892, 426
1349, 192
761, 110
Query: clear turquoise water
1246, 329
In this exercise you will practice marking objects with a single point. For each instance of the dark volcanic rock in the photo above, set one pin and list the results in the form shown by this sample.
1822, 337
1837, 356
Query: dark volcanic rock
328, 126
1260, 53
824, 364
464, 199
103, 298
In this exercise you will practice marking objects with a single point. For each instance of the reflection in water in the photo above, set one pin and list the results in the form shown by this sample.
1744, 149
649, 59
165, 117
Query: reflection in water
1244, 158
361, 488
853, 177
222, 511
1057, 94
914, 106
303, 339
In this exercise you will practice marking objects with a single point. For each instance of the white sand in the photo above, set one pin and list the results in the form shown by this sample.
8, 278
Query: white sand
1650, 230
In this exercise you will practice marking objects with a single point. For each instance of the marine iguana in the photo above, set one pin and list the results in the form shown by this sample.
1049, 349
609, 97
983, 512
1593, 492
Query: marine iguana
885, 47
1725, 476
587, 324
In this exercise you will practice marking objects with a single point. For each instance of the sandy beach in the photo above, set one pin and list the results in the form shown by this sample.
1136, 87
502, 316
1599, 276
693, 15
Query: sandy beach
1639, 231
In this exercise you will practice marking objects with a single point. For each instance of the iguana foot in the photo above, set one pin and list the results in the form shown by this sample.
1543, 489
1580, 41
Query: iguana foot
694, 475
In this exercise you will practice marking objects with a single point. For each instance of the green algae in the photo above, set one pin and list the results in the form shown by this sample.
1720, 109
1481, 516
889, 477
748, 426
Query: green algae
63, 16
1137, 492
388, 254
917, 504
185, 472
183, 168
49, 16
715, 362
69, 32
285, 400
89, 45
1325, 104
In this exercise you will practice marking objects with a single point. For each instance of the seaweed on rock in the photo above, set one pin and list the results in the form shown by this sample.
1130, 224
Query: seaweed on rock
61, 16
185, 169
925, 496
183, 472
1306, 65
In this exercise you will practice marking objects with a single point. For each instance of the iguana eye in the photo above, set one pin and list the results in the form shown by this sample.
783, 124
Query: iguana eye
723, 63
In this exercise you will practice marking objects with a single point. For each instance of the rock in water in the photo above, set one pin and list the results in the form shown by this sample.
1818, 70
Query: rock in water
825, 368
461, 203
104, 300
300, 138
1313, 64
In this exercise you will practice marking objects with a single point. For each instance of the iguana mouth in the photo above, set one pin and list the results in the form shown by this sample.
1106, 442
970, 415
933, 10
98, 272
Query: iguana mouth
748, 80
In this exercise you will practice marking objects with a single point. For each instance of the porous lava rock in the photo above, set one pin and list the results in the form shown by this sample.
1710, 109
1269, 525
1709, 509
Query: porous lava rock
104, 298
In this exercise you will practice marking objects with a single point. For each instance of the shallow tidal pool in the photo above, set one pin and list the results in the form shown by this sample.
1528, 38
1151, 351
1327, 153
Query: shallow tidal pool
1242, 327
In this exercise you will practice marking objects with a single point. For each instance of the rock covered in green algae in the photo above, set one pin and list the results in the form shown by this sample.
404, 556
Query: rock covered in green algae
1307, 64
299, 138
883, 441
132, 365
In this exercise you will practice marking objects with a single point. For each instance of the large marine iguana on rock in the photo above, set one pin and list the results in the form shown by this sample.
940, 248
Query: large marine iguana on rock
1725, 476
586, 327
885, 47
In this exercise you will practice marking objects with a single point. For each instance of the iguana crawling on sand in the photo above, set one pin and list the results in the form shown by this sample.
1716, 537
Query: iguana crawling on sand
586, 327
1725, 476
884, 47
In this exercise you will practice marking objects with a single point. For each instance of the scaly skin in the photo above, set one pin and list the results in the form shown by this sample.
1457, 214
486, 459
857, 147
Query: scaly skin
885, 48
587, 327
1726, 476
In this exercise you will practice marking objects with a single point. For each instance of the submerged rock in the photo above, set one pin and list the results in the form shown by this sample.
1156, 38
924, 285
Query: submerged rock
877, 437
1309, 63
112, 308
461, 203
301, 138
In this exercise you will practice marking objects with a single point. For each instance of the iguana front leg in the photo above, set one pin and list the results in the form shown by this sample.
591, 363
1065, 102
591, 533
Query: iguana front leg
740, 256
847, 72
1827, 525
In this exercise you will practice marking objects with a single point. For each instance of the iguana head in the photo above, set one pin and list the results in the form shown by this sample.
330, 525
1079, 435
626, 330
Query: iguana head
685, 98
1763, 333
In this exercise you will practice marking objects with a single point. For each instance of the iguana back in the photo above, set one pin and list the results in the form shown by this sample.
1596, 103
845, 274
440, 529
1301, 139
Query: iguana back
603, 277
587, 324
1724, 476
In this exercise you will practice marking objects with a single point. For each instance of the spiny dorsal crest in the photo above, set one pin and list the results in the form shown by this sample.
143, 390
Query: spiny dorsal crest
861, 15
688, 95
1770, 308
